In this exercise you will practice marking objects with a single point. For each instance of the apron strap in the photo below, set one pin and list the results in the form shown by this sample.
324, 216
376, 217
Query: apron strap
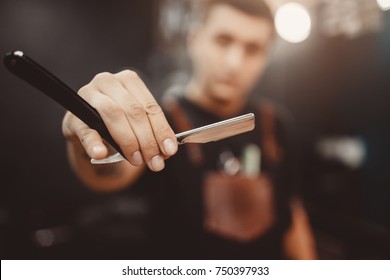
271, 150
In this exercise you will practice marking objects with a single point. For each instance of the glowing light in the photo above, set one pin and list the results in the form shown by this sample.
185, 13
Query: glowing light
350, 151
292, 22
384, 4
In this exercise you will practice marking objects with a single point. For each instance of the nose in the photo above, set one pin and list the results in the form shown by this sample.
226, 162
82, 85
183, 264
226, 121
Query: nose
234, 58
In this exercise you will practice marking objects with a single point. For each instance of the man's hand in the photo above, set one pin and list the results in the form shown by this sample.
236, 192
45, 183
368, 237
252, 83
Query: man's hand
132, 116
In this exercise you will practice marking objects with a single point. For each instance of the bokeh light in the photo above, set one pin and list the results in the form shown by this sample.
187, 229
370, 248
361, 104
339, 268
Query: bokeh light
293, 22
384, 4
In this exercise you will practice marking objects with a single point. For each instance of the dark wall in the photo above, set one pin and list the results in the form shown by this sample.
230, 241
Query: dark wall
44, 209
339, 87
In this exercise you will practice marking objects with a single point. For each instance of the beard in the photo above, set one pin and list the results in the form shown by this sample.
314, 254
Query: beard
221, 94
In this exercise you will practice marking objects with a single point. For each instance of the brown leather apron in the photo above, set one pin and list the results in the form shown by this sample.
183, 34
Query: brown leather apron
237, 207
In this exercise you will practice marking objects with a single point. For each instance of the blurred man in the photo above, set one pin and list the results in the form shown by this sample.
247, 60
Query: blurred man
205, 205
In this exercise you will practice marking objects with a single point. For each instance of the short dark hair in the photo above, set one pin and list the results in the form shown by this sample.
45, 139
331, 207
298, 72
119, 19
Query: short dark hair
258, 8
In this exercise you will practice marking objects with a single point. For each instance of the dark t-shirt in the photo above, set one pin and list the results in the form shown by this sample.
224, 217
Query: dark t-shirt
176, 197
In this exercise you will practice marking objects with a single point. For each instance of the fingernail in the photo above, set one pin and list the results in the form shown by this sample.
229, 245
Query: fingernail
157, 163
170, 147
96, 150
136, 158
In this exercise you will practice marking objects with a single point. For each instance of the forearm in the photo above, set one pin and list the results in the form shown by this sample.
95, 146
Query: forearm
102, 177
299, 242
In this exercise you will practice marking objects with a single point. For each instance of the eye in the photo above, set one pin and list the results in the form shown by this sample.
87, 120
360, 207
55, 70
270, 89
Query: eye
223, 40
253, 49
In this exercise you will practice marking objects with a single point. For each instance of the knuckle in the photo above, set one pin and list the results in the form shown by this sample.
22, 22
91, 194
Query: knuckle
67, 126
130, 74
151, 146
83, 90
110, 110
85, 136
152, 108
68, 120
129, 145
102, 76
67, 117
103, 79
136, 111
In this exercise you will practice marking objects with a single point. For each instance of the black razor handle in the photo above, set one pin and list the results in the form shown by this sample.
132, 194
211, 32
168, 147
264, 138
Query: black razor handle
40, 78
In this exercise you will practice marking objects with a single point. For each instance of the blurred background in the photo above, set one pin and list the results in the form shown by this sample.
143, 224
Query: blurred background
330, 67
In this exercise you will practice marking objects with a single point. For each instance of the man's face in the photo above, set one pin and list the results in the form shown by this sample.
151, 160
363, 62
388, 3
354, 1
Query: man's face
229, 52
